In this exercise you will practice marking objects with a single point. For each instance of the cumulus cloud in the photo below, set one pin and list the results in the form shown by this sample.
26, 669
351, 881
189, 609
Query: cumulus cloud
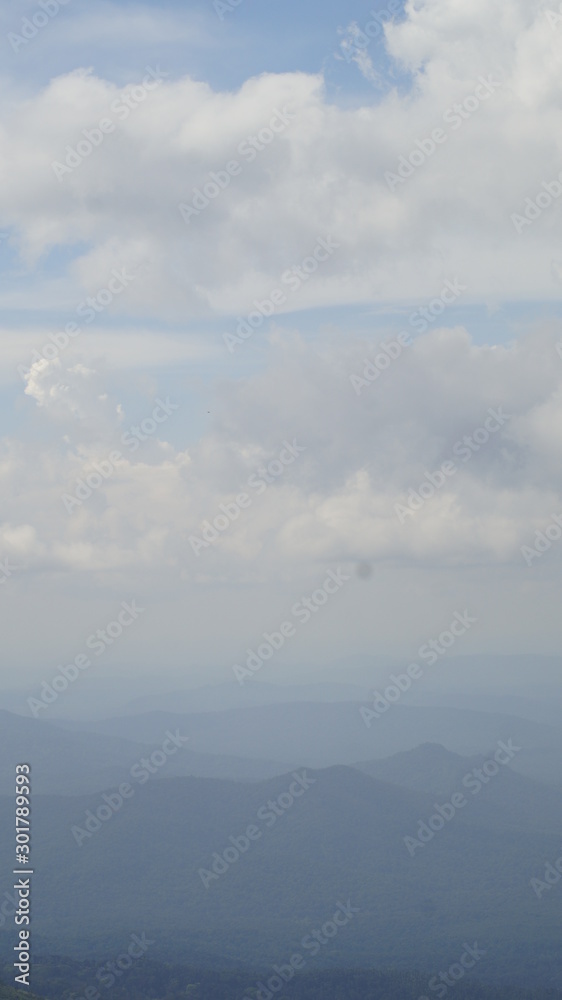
74, 392
361, 457
224, 195
324, 173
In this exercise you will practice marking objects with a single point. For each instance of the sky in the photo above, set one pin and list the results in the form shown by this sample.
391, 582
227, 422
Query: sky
316, 256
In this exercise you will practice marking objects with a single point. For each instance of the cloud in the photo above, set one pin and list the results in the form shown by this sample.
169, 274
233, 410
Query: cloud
77, 392
117, 348
262, 172
353, 45
324, 174
362, 456
80, 25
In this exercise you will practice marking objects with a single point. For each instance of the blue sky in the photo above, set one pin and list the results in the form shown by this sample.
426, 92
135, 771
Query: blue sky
256, 37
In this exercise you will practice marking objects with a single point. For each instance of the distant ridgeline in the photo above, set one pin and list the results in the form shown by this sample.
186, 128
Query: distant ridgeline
253, 851
64, 979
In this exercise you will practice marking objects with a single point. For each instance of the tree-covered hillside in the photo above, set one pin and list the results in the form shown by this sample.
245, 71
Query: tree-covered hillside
65, 979
8, 993
158, 866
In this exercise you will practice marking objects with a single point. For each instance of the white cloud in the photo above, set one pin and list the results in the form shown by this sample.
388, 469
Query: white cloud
338, 500
325, 173
322, 174
77, 392
354, 47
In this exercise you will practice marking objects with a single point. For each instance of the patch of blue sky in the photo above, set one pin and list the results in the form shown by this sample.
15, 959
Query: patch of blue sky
258, 36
